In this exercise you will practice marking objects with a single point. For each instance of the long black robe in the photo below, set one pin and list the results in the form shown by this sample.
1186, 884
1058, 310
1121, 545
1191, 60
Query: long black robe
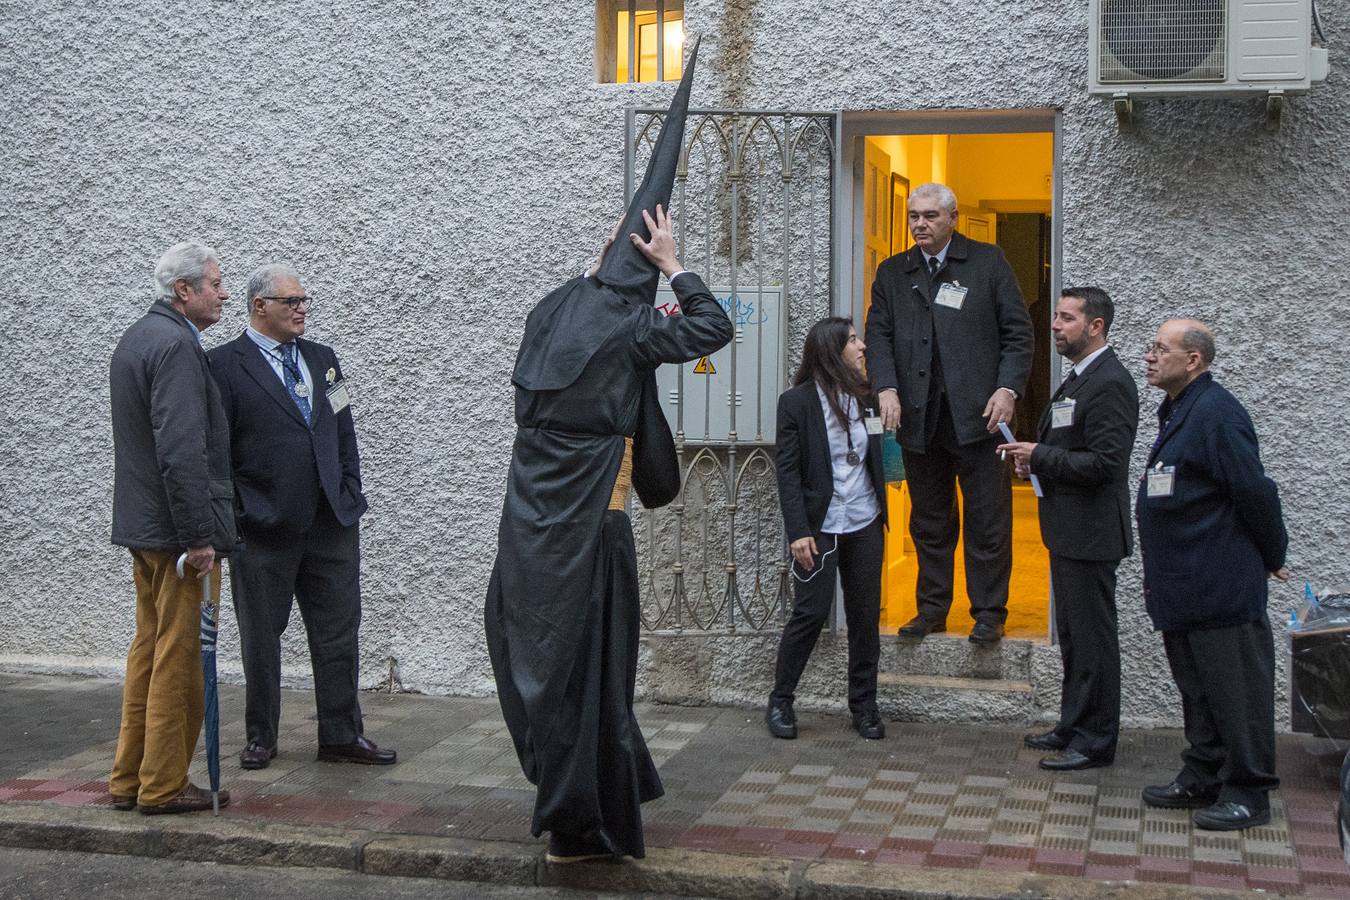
562, 607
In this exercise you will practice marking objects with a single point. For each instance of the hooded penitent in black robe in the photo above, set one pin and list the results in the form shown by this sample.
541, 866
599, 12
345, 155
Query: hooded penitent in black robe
562, 607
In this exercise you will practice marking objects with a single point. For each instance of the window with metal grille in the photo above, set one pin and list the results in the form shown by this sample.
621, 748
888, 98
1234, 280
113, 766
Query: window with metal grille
639, 40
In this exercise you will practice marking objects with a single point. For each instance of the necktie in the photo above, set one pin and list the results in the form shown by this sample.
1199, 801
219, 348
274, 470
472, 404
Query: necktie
1063, 385
933, 265
294, 379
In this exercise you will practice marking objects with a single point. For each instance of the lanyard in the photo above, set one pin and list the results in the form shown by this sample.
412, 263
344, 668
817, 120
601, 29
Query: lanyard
292, 367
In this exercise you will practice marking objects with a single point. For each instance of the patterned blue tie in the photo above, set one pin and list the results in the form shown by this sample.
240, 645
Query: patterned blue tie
293, 377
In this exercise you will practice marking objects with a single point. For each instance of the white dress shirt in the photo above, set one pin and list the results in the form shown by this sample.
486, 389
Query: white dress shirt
941, 256
1081, 366
854, 504
271, 352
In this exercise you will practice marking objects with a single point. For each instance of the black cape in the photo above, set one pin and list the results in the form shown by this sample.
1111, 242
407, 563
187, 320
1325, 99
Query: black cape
562, 607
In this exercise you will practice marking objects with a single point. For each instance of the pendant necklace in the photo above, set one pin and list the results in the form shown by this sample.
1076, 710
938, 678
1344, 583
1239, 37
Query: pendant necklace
852, 457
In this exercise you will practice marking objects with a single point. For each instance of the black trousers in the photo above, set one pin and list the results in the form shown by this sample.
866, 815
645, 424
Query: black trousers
934, 522
1227, 681
1089, 645
856, 560
321, 570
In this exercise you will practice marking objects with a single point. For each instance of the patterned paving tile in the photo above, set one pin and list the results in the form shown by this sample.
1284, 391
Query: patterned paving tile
935, 795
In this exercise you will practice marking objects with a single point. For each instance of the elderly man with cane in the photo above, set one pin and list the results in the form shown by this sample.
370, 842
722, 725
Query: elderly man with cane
171, 496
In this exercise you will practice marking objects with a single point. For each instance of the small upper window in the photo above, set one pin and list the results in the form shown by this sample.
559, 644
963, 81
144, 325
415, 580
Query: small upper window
639, 40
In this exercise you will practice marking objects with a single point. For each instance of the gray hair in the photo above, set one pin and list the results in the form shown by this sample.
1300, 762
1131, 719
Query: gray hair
187, 261
262, 282
934, 191
1197, 339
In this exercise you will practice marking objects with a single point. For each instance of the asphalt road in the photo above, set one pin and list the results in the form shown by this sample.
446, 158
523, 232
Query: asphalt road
58, 875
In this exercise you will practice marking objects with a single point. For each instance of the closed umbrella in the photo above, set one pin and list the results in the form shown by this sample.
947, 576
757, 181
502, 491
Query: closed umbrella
209, 686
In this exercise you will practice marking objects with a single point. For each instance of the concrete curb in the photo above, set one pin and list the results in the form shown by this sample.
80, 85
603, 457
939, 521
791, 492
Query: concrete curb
667, 871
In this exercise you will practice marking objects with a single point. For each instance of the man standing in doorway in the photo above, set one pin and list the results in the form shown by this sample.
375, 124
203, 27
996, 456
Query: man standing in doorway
298, 477
1211, 533
949, 350
1083, 463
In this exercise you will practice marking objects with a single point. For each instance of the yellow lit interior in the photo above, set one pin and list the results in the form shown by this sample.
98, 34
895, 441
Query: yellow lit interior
988, 172
647, 45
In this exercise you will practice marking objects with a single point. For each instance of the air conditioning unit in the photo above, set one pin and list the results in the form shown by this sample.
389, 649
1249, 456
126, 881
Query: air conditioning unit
1189, 47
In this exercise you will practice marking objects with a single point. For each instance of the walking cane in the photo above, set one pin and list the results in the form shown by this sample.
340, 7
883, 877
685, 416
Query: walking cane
209, 686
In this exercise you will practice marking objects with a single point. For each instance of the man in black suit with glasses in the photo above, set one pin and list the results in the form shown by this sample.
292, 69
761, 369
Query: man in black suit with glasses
297, 479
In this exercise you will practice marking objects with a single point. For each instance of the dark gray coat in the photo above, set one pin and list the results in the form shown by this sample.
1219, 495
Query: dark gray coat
985, 345
171, 487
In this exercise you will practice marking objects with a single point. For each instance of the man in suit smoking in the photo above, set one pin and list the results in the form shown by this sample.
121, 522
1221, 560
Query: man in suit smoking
297, 478
1082, 460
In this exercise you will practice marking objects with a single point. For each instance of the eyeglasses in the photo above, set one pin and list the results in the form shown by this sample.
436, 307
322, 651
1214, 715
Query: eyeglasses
293, 302
1156, 349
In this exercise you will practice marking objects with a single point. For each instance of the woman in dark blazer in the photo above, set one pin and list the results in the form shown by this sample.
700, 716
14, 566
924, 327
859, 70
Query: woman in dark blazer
833, 494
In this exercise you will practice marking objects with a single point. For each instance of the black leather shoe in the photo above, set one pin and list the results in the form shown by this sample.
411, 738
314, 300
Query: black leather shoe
362, 750
781, 721
868, 724
256, 756
1176, 796
122, 802
1050, 741
1071, 761
1225, 815
919, 628
985, 633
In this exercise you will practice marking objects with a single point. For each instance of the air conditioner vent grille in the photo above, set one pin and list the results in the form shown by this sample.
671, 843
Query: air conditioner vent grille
1162, 40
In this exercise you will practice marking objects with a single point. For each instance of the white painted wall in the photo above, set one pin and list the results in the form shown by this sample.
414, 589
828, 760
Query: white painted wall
432, 169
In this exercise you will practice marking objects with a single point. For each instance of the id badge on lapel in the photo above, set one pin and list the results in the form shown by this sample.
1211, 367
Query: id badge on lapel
951, 295
338, 397
1061, 413
1161, 482
873, 423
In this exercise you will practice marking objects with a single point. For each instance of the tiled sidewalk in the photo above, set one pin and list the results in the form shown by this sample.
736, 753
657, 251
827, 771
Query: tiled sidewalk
945, 796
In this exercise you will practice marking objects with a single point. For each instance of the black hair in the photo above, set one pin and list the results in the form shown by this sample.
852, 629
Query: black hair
1096, 304
823, 363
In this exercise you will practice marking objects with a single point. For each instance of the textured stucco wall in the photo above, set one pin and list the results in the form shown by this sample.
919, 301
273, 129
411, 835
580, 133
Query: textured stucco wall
432, 169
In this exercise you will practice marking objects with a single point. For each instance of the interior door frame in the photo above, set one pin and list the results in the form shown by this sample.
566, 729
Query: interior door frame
854, 126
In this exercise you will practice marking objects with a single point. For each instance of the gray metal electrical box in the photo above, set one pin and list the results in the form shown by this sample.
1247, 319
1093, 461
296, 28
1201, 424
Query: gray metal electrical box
699, 396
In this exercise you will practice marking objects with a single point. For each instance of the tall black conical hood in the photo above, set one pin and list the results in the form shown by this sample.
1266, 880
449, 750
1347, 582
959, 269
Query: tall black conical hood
567, 328
624, 268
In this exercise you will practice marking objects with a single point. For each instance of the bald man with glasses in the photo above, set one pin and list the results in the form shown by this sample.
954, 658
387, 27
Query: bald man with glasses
1211, 532
297, 477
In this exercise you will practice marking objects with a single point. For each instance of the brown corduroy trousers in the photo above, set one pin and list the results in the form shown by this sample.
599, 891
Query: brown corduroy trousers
162, 695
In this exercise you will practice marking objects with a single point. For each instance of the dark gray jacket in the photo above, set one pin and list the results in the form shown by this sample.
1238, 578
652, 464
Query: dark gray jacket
983, 346
171, 488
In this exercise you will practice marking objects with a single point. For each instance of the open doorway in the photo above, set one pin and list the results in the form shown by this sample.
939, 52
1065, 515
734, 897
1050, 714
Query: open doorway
1003, 179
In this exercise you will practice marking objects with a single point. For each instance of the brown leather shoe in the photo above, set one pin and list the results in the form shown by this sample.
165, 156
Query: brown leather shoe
362, 750
189, 799
256, 756
122, 802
